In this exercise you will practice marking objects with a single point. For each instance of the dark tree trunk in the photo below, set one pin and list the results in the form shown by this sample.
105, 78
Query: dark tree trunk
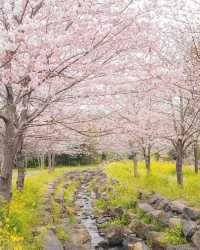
147, 158
21, 176
179, 162
196, 163
7, 162
148, 164
135, 166
26, 161
53, 161
42, 160
20, 164
21, 171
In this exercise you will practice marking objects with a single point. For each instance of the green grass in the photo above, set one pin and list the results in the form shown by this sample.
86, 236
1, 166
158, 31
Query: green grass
175, 236
24, 212
62, 234
69, 196
162, 180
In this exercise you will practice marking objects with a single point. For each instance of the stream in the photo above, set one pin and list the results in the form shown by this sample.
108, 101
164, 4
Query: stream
88, 220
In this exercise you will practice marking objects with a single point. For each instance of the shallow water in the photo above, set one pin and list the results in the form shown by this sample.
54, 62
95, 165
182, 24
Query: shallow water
87, 219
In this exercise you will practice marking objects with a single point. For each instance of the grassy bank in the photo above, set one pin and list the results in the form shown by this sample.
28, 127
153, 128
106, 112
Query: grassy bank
162, 180
24, 212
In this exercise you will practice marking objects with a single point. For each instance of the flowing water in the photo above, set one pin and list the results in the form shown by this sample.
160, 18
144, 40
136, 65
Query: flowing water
84, 200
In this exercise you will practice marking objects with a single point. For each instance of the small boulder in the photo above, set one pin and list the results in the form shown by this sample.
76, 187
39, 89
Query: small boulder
181, 247
177, 207
103, 219
156, 198
196, 238
162, 203
138, 246
163, 218
156, 214
191, 213
114, 235
103, 244
130, 241
189, 228
145, 207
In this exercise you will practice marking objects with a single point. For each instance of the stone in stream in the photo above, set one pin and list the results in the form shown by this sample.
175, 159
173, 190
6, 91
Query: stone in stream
79, 236
114, 235
138, 246
130, 241
102, 244
103, 219
51, 242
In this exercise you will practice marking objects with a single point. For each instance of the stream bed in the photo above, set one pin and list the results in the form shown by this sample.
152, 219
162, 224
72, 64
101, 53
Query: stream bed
87, 219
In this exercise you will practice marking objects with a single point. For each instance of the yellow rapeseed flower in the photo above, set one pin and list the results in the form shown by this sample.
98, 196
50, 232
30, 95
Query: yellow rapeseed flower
16, 238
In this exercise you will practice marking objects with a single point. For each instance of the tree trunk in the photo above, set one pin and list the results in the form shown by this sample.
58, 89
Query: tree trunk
135, 166
147, 158
196, 163
21, 173
148, 164
179, 163
42, 160
53, 161
39, 161
7, 162
49, 161
26, 161
20, 163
